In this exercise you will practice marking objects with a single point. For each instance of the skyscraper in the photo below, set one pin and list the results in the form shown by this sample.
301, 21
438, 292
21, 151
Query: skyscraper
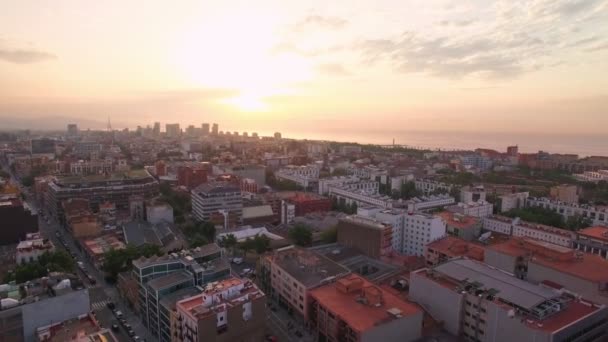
215, 128
205, 128
72, 129
156, 129
173, 130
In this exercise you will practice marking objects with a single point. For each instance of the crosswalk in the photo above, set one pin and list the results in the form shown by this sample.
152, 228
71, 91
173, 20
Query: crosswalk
99, 305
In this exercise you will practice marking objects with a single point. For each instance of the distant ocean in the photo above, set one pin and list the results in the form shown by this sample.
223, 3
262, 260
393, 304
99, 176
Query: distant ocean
583, 145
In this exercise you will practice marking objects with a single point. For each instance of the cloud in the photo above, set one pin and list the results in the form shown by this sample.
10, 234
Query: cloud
23, 56
457, 23
313, 20
583, 41
332, 69
599, 47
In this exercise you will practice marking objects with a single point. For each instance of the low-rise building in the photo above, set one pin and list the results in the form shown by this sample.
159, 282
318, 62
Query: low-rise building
481, 303
518, 228
428, 186
79, 329
419, 230
157, 212
324, 183
449, 247
96, 248
476, 209
513, 200
462, 226
592, 240
361, 194
229, 310
592, 176
567, 193
305, 176
598, 215
429, 202
353, 309
32, 248
538, 261
288, 274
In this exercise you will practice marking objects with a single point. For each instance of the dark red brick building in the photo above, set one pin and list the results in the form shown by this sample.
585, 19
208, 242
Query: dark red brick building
306, 203
191, 176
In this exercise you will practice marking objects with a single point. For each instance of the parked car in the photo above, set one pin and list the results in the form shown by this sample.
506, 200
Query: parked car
237, 261
115, 328
111, 305
118, 314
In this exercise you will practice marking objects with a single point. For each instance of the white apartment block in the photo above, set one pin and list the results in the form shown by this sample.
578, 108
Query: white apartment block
426, 186
87, 167
324, 183
476, 209
419, 230
32, 248
301, 175
513, 201
516, 227
210, 198
428, 202
396, 219
472, 194
362, 197
592, 176
598, 215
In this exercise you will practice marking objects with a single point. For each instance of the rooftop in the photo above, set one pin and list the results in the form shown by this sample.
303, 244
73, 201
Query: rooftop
194, 253
113, 177
596, 233
361, 304
454, 247
216, 188
170, 301
257, 211
585, 266
82, 329
102, 244
364, 221
458, 220
169, 279
142, 232
308, 267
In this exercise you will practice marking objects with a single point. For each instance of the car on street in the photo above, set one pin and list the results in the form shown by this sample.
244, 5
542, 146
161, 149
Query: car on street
131, 332
136, 338
118, 314
111, 305
115, 328
237, 261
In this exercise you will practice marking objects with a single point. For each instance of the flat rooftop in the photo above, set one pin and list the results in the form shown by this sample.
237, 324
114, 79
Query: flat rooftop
459, 221
113, 177
170, 301
509, 288
340, 298
454, 247
169, 280
596, 233
308, 267
194, 253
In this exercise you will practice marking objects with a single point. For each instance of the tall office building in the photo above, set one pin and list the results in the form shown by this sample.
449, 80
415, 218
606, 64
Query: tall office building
72, 129
205, 128
156, 129
173, 130
215, 128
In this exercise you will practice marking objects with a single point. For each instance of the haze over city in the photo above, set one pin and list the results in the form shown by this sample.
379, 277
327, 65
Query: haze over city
368, 70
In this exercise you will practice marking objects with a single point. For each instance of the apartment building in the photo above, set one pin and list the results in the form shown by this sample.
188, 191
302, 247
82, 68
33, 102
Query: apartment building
428, 186
518, 228
513, 200
217, 197
158, 277
450, 247
419, 230
462, 226
480, 303
395, 219
18, 219
592, 176
362, 193
537, 262
352, 309
367, 235
472, 194
598, 215
565, 193
230, 310
592, 240
88, 167
32, 248
325, 183
288, 275
305, 176
429, 202
476, 209
115, 188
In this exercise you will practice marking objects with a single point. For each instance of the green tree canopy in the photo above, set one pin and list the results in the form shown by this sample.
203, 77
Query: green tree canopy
119, 260
301, 235
330, 235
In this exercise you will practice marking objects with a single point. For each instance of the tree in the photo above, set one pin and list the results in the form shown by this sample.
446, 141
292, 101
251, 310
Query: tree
58, 261
538, 215
330, 235
229, 242
577, 222
261, 243
199, 233
119, 260
339, 172
408, 190
246, 245
301, 235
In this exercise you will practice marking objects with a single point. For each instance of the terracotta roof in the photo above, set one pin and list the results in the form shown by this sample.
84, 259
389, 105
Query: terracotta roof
361, 317
453, 247
596, 233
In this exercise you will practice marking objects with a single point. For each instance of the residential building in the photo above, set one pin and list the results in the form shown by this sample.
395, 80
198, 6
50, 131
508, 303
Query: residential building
249, 185
18, 219
173, 130
538, 261
217, 198
592, 176
306, 203
361, 193
214, 129
350, 149
478, 209
20, 318
169, 318
515, 200
192, 175
87, 149
592, 240
115, 188
463, 226
450, 247
258, 215
469, 194
288, 275
352, 309
367, 235
565, 193
138, 233
157, 212
428, 202
205, 129
96, 248
305, 176
251, 171
32, 248
419, 230
480, 303
95, 166
518, 228
72, 130
84, 225
598, 215
477, 161
391, 217
324, 183
82, 328
158, 277
229, 310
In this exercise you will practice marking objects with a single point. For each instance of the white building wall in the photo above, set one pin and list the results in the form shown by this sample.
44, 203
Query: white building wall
419, 230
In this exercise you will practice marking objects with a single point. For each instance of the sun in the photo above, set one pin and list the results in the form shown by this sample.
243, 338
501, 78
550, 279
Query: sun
248, 103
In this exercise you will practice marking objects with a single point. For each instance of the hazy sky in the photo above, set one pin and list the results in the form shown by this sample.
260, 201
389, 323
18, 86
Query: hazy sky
524, 66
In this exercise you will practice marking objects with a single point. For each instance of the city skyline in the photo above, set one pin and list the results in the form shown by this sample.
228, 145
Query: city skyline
525, 67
